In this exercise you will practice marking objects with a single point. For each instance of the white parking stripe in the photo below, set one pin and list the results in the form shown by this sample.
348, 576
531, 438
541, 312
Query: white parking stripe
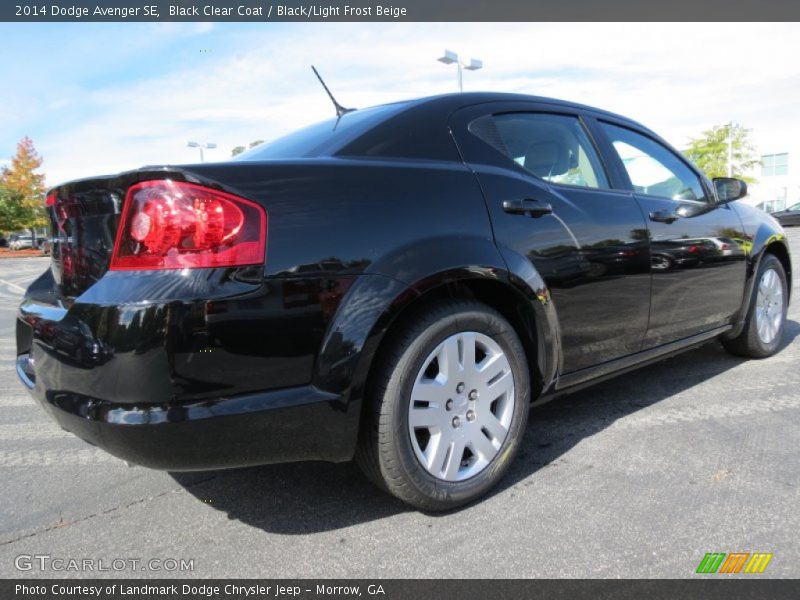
13, 286
739, 407
16, 401
31, 431
59, 458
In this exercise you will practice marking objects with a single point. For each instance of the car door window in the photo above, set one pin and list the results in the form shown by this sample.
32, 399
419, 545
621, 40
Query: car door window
652, 168
553, 147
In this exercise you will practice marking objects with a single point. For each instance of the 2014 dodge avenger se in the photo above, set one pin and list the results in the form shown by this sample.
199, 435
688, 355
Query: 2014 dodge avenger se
397, 285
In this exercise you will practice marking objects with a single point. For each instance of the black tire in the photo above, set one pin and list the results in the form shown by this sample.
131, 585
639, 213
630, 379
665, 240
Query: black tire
748, 343
385, 452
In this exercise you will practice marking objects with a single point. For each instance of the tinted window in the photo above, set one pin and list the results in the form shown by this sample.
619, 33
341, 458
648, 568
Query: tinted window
552, 147
652, 168
323, 138
774, 164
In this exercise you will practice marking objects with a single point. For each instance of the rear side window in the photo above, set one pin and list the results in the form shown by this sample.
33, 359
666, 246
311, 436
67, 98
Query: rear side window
550, 146
652, 168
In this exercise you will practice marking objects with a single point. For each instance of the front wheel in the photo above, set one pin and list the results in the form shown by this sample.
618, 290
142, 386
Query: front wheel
766, 317
449, 405
660, 262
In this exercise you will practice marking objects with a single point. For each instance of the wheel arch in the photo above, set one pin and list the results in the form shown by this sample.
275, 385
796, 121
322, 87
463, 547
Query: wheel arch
779, 249
497, 293
377, 304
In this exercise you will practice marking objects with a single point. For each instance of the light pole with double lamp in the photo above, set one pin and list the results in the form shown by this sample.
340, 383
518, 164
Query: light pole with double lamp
451, 57
207, 146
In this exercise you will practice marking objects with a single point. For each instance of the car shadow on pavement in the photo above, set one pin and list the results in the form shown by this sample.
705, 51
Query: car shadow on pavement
311, 497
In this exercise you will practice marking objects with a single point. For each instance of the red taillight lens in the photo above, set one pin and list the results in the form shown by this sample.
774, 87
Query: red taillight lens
51, 199
175, 225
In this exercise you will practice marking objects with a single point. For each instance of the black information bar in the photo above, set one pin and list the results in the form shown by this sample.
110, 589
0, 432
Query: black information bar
399, 10
705, 587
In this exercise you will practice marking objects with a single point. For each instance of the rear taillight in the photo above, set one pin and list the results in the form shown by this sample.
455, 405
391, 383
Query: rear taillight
174, 225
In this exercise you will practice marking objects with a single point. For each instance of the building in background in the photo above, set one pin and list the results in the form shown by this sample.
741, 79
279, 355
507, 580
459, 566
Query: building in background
778, 178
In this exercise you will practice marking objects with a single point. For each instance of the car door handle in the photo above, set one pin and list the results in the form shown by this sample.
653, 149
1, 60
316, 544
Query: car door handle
664, 216
527, 207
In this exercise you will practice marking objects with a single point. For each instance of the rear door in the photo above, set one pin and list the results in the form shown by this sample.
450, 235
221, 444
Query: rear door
698, 266
551, 202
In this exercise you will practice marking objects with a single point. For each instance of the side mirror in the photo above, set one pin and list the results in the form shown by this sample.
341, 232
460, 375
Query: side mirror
729, 189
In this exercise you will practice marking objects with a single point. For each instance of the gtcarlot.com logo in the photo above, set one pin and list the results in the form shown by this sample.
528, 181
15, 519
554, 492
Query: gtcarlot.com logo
46, 562
735, 562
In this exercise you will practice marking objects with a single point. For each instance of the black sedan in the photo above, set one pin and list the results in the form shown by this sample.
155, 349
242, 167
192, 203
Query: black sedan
788, 217
396, 285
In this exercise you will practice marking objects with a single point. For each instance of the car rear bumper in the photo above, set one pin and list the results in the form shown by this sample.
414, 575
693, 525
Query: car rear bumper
293, 424
179, 383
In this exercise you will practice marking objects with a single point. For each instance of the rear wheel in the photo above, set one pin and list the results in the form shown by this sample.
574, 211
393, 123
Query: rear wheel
766, 317
449, 406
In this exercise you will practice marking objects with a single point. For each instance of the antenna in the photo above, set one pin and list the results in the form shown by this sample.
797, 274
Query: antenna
340, 110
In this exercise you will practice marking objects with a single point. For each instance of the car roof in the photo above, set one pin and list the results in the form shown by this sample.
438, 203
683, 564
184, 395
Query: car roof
415, 128
418, 127
455, 101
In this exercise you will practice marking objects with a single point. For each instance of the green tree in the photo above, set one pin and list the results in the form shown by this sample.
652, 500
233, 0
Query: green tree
710, 151
12, 213
23, 189
240, 149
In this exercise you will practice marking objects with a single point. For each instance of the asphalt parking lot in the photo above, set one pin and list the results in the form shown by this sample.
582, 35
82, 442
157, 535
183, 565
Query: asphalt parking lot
639, 476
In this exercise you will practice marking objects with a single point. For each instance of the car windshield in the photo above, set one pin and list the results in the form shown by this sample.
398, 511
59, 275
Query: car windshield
794, 207
323, 138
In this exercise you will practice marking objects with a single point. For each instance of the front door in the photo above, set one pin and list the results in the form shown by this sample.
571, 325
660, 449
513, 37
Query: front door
698, 260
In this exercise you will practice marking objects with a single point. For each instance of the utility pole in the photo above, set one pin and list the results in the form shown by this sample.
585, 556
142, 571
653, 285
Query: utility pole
730, 148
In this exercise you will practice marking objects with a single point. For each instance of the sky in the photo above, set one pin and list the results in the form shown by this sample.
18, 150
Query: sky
105, 97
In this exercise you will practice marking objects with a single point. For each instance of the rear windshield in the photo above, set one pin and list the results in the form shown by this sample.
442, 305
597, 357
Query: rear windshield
325, 138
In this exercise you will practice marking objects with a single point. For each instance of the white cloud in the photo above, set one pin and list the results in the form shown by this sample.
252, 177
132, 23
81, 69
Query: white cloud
676, 78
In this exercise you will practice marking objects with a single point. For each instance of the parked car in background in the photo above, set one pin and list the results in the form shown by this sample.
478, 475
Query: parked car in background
396, 285
3, 242
674, 254
724, 246
21, 242
788, 217
46, 245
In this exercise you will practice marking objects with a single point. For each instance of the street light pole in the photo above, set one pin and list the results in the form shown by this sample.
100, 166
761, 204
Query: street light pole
451, 57
207, 145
